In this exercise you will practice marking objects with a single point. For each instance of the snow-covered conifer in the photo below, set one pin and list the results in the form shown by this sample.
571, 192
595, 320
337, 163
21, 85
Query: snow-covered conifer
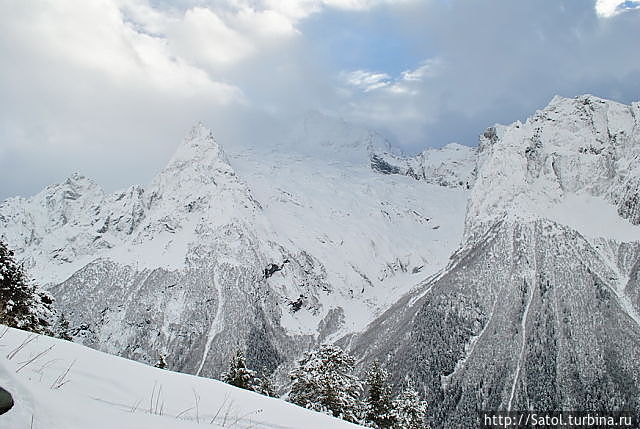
378, 403
239, 375
61, 328
324, 381
265, 386
22, 305
409, 410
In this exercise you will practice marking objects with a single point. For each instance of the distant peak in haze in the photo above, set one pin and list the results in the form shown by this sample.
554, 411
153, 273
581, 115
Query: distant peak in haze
319, 135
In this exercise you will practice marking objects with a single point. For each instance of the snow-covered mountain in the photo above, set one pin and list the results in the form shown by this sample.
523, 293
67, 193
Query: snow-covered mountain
269, 250
452, 165
539, 308
502, 277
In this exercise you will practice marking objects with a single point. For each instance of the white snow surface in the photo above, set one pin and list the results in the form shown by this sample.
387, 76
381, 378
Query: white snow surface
377, 235
593, 217
101, 391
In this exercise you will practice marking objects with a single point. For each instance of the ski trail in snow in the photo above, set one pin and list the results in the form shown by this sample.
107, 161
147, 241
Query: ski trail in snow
523, 328
216, 326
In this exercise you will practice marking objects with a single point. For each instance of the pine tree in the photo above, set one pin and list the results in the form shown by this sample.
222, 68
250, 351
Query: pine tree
61, 328
239, 375
379, 403
323, 381
409, 410
162, 363
22, 304
265, 386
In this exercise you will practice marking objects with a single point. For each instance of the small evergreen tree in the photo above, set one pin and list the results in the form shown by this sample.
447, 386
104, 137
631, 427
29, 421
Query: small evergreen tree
61, 328
265, 386
239, 375
378, 403
22, 304
323, 381
409, 410
162, 363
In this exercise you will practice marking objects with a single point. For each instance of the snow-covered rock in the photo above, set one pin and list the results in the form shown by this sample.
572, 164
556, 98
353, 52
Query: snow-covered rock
452, 165
584, 148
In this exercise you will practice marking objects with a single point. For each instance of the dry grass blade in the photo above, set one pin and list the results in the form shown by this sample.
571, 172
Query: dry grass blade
26, 341
45, 351
226, 396
184, 412
60, 381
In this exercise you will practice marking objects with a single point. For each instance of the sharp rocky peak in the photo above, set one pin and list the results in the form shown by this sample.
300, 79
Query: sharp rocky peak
198, 160
198, 147
197, 174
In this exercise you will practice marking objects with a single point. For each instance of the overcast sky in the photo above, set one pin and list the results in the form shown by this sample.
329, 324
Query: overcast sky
109, 87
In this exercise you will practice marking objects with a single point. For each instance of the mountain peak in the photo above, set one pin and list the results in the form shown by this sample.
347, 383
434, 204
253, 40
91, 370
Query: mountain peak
198, 169
199, 132
578, 104
72, 188
199, 145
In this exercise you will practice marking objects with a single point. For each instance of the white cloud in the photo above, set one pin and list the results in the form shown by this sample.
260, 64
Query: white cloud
428, 68
407, 83
300, 9
609, 8
95, 37
204, 37
366, 81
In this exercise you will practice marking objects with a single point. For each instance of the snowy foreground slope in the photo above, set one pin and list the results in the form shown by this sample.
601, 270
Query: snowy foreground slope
104, 391
540, 307
268, 250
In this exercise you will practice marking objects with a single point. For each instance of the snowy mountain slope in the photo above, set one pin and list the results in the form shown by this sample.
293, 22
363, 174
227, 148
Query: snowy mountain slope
452, 165
103, 391
375, 234
539, 308
293, 249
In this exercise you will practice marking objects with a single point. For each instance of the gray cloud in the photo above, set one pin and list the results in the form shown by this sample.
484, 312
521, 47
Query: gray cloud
109, 88
498, 61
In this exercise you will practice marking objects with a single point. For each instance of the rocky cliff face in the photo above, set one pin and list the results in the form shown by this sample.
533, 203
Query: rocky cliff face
539, 308
452, 165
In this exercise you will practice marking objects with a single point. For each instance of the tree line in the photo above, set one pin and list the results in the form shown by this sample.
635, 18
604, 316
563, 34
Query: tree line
324, 381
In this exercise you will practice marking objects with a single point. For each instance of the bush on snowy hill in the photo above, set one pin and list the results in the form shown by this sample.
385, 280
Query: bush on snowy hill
409, 410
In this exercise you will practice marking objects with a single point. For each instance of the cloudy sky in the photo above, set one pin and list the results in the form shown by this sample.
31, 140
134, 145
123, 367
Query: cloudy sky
109, 87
